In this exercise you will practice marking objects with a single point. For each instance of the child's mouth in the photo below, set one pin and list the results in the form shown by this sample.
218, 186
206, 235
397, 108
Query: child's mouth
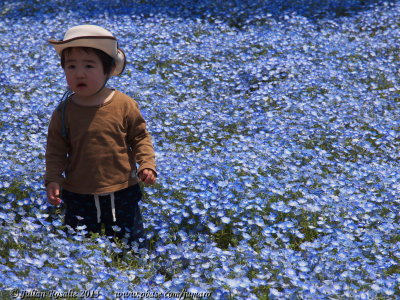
80, 85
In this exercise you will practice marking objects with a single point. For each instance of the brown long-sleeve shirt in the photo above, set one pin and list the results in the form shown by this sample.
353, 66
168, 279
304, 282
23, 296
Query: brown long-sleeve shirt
104, 144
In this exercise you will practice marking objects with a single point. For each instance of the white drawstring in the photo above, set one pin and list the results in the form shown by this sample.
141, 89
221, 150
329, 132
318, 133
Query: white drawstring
97, 203
113, 207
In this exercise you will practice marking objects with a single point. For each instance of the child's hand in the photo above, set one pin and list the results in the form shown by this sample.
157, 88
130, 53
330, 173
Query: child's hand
147, 176
53, 193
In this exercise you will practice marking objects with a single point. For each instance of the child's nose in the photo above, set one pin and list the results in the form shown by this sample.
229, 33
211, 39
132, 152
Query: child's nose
80, 72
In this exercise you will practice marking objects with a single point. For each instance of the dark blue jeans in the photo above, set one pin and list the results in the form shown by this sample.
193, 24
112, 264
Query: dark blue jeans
118, 211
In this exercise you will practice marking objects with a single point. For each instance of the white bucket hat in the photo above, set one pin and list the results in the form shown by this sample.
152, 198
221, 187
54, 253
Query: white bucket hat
94, 37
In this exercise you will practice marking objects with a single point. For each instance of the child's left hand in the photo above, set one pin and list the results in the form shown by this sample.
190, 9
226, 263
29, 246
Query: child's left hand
148, 176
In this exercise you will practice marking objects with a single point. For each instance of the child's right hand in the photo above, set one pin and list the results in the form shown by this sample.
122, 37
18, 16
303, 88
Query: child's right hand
53, 193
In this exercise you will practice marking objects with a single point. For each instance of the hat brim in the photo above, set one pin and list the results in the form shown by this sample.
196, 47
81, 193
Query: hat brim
101, 42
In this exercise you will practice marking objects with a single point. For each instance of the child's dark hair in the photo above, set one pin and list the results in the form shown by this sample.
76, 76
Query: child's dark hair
106, 60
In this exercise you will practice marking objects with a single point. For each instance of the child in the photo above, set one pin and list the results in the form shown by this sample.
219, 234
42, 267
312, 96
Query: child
96, 137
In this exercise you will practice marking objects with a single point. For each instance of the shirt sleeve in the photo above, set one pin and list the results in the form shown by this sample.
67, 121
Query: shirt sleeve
139, 139
56, 151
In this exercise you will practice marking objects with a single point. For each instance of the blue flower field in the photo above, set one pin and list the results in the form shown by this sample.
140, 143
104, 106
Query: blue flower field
276, 126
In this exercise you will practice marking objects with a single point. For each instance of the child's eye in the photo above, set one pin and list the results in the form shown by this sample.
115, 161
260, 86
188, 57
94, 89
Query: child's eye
70, 67
89, 66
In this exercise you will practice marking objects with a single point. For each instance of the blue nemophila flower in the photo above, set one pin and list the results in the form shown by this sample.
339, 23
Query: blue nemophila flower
225, 220
116, 228
214, 228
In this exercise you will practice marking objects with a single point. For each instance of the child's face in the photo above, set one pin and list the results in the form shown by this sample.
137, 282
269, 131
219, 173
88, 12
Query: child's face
84, 72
